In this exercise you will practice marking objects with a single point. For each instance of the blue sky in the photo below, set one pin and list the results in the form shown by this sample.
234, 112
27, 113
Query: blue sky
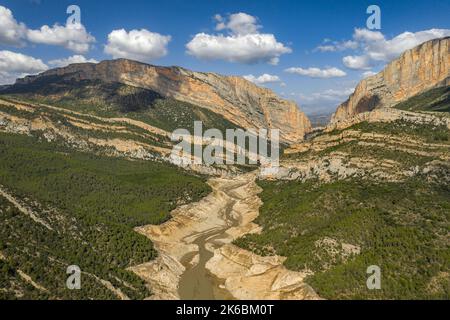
294, 31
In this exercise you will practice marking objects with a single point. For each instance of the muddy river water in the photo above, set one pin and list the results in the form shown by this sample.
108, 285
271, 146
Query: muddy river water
197, 260
197, 282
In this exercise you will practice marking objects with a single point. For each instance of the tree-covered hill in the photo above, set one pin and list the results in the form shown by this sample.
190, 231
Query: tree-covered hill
371, 194
91, 204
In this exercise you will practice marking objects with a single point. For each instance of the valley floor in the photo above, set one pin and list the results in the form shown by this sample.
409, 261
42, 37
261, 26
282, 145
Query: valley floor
373, 191
197, 260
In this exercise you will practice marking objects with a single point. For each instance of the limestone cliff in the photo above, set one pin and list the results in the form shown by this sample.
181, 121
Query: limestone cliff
419, 69
235, 98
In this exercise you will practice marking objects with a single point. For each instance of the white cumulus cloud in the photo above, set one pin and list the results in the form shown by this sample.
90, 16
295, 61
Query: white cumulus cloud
376, 48
238, 23
329, 97
367, 35
337, 46
140, 45
11, 32
71, 36
317, 73
262, 79
357, 62
70, 60
242, 43
14, 65
367, 74
322, 101
333, 94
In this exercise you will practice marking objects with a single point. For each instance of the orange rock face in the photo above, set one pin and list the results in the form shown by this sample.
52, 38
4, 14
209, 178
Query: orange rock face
235, 98
422, 68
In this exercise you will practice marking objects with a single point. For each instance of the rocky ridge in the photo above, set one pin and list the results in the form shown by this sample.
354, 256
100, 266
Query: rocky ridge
235, 98
346, 150
197, 260
419, 69
118, 137
389, 115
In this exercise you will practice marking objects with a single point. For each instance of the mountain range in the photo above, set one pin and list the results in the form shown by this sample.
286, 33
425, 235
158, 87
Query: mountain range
234, 98
417, 70
86, 179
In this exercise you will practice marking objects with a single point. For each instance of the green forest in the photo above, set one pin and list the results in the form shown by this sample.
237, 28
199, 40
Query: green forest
117, 100
92, 204
401, 227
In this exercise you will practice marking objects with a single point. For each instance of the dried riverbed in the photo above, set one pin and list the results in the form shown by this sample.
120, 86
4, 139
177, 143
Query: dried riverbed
197, 260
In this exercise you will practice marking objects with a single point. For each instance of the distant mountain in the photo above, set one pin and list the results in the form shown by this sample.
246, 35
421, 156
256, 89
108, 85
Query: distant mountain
416, 71
320, 119
233, 98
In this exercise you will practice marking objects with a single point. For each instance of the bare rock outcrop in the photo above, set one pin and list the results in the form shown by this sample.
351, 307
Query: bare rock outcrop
235, 98
343, 150
197, 260
247, 276
389, 115
417, 70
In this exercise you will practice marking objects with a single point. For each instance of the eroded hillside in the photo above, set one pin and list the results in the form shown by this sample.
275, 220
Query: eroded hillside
233, 98
376, 192
63, 207
416, 71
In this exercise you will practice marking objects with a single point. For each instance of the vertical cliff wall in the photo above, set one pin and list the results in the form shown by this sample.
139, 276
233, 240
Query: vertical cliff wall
234, 98
419, 69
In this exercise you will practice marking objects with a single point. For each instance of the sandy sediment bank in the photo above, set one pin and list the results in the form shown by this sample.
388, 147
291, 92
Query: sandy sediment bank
197, 260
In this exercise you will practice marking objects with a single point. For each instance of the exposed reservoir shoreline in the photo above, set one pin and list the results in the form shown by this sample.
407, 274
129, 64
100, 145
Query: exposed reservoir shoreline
197, 260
